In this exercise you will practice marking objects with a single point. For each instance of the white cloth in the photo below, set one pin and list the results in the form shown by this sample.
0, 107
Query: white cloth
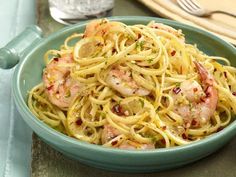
15, 135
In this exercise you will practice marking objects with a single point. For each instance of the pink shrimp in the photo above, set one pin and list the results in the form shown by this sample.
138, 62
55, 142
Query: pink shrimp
61, 88
91, 28
122, 82
110, 132
101, 27
196, 103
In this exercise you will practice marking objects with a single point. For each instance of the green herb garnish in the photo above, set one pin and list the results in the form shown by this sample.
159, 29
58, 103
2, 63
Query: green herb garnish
103, 114
177, 84
139, 45
68, 94
142, 102
150, 60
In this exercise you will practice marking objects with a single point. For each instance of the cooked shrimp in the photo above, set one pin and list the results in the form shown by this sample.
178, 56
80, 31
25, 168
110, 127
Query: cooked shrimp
61, 88
122, 82
110, 132
196, 103
101, 27
91, 28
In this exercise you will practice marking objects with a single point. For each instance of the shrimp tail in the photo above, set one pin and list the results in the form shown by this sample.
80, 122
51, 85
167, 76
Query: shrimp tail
206, 79
209, 102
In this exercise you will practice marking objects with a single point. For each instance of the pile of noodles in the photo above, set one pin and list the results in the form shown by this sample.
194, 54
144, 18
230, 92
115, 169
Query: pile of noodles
158, 60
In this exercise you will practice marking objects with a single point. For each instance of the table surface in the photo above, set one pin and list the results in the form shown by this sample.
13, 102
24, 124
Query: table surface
48, 162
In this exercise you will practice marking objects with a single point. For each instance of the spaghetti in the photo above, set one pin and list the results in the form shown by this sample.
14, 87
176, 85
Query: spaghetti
134, 87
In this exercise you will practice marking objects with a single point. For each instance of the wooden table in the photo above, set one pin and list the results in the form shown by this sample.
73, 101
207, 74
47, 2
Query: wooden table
46, 162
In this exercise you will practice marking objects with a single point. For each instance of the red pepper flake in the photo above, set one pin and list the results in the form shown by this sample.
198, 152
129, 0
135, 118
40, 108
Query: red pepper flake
103, 32
163, 141
225, 74
113, 143
79, 122
50, 87
195, 89
98, 44
176, 90
56, 59
113, 50
208, 94
194, 122
219, 129
202, 99
164, 127
152, 97
118, 110
184, 136
173, 53
139, 35
234, 93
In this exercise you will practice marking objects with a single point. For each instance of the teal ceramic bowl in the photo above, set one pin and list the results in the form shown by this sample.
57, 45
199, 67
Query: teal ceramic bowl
29, 47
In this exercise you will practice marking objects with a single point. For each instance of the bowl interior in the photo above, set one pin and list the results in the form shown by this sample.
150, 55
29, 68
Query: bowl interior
30, 69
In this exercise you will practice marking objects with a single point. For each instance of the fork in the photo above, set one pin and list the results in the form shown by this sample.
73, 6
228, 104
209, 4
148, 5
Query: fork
192, 7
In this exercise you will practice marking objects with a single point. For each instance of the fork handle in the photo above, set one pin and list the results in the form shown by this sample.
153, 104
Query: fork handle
223, 12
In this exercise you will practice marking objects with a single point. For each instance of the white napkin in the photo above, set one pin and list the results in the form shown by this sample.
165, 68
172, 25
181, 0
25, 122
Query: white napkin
15, 135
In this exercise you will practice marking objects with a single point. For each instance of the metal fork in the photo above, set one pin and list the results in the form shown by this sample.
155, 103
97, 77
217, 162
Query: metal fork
192, 7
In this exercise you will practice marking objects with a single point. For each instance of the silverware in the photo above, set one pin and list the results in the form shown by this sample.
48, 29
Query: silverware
192, 7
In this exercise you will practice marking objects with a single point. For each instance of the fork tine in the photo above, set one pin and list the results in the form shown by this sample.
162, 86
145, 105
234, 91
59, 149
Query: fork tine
192, 4
185, 6
195, 3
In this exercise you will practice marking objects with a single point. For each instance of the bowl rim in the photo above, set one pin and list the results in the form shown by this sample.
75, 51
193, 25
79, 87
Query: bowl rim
26, 113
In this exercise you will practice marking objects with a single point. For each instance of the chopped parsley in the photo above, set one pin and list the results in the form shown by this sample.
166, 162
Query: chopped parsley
142, 102
139, 45
103, 114
177, 84
130, 37
150, 60
103, 21
68, 94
